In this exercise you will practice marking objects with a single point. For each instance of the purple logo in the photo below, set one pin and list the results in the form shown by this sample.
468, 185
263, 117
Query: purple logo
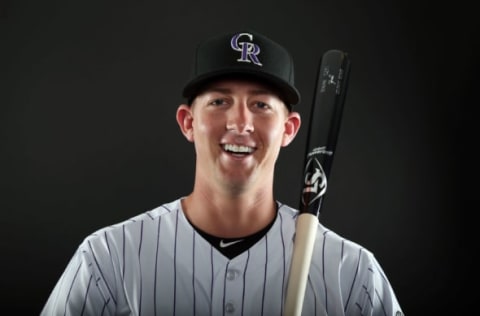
248, 51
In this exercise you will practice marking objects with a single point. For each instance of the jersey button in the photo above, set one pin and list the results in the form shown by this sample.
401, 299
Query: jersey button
229, 307
232, 274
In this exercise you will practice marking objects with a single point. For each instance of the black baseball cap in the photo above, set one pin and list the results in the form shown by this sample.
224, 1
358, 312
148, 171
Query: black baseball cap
243, 54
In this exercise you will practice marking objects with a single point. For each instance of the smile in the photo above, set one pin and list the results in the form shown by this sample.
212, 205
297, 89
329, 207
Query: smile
237, 149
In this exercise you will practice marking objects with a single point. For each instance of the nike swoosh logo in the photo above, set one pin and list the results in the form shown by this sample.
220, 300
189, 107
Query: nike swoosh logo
227, 244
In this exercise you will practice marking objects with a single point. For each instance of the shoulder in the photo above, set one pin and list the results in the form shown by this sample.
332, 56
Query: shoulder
348, 251
354, 263
131, 226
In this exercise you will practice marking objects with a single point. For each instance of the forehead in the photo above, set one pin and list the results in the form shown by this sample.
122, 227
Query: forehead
234, 85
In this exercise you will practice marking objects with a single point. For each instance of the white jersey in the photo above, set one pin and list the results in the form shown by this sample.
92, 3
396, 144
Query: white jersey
157, 264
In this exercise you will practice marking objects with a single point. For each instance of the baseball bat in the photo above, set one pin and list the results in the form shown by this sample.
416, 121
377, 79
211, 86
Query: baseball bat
324, 127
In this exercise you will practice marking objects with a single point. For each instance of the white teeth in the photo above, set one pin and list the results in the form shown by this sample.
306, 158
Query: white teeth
238, 149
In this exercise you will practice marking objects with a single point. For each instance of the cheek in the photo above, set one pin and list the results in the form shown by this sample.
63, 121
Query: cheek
273, 133
206, 125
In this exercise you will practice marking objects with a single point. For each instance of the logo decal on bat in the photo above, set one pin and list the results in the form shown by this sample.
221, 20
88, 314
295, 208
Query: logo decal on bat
329, 78
315, 181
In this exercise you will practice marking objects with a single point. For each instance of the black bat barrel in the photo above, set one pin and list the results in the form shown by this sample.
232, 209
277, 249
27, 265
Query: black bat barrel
324, 126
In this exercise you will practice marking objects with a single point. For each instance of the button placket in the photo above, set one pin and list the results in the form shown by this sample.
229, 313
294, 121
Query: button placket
233, 293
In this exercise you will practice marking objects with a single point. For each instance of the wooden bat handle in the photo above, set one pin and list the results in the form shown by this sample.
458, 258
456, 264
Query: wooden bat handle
306, 231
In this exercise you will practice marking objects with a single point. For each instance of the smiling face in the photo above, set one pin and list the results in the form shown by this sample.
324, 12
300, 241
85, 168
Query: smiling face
238, 128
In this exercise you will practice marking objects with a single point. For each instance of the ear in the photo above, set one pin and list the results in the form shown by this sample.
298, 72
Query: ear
185, 121
292, 125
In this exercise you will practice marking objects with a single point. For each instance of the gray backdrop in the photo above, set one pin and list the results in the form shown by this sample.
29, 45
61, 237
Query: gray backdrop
88, 134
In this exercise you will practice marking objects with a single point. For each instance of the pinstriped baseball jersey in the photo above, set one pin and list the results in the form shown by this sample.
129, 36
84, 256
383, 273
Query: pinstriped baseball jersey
157, 264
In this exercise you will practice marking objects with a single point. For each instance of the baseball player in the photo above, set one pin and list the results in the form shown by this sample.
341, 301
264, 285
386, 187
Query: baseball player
224, 249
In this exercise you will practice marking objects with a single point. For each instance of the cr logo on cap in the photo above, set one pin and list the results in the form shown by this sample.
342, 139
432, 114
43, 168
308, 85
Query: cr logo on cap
249, 50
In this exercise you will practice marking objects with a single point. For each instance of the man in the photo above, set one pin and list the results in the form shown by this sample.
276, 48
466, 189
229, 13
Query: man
225, 249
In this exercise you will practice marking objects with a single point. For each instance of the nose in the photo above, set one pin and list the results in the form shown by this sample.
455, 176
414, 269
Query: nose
240, 119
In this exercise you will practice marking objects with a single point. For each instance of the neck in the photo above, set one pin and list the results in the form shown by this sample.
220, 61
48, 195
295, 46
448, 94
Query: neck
230, 215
